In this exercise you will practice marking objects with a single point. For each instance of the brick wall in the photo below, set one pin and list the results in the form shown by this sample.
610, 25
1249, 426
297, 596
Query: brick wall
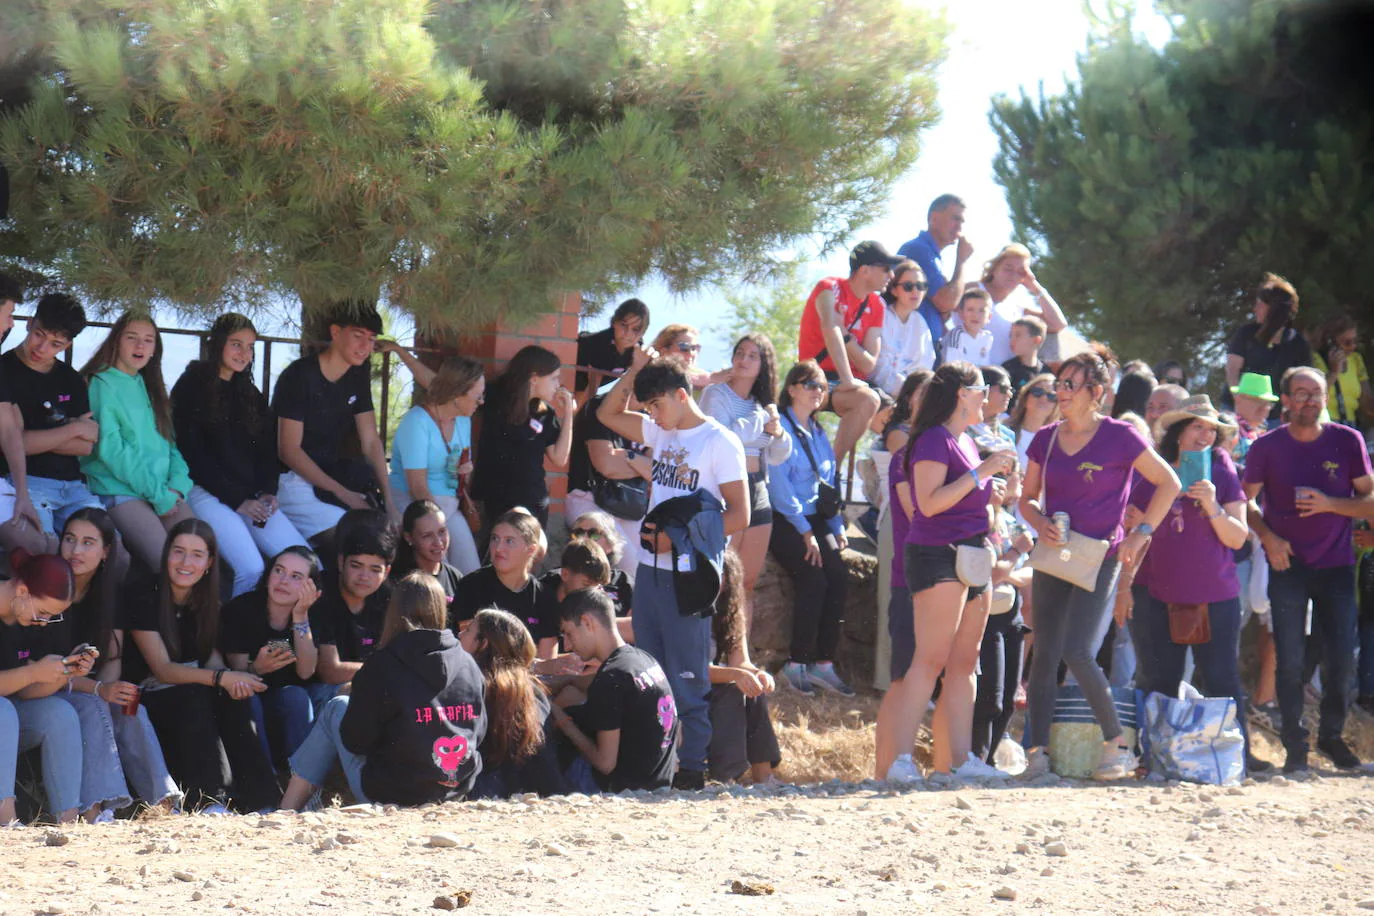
495, 344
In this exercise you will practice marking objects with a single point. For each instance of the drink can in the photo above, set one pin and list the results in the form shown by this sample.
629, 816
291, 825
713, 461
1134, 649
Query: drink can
131, 705
1061, 524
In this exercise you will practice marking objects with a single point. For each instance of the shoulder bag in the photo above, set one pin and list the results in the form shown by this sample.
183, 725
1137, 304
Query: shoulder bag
828, 500
1077, 562
626, 499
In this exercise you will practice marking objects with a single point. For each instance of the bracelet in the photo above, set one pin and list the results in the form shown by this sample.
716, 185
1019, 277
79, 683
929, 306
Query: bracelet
973, 472
219, 676
1218, 514
96, 690
302, 628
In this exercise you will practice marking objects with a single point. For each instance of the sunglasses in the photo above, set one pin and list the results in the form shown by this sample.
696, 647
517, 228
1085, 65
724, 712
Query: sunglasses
1042, 393
689, 348
1066, 384
911, 285
980, 388
813, 385
594, 533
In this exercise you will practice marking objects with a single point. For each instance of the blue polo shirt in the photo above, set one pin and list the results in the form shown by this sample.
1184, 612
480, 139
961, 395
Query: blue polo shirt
926, 252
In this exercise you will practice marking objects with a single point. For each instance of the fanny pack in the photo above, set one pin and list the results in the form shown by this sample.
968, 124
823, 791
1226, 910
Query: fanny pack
973, 563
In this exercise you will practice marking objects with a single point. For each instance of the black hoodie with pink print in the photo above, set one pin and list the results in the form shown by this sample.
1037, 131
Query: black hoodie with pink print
417, 713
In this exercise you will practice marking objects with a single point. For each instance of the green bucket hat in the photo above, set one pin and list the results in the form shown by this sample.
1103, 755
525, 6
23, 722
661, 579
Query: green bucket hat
1255, 385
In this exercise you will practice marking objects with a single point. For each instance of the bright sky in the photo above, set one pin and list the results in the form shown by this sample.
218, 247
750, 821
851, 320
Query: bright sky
997, 46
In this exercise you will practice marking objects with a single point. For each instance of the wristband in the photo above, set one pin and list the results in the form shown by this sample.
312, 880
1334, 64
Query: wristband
302, 628
96, 690
219, 676
1217, 514
973, 472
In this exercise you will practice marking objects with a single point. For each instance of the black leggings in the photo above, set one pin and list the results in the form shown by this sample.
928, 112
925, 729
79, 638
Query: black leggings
819, 592
999, 674
212, 748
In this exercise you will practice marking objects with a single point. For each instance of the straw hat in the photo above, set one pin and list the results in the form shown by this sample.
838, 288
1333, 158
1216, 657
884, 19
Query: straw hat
1197, 407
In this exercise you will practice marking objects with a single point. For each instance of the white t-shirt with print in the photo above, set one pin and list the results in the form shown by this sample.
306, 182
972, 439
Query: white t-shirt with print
961, 345
686, 460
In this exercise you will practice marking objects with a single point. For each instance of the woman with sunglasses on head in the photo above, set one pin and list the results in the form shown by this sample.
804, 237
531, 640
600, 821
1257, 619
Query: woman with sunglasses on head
746, 405
1085, 463
598, 528
680, 341
36, 663
508, 581
1036, 407
949, 495
198, 706
87, 543
809, 536
527, 421
907, 344
424, 546
228, 436
431, 451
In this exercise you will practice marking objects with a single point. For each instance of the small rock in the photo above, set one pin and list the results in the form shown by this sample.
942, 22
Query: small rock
1278, 781
1366, 904
51, 909
1235, 790
1047, 872
327, 844
963, 804
618, 837
197, 896
55, 838
456, 901
1005, 892
1213, 812
554, 849
1155, 800
750, 889
444, 841
1193, 836
183, 876
345, 839
1023, 848
1058, 850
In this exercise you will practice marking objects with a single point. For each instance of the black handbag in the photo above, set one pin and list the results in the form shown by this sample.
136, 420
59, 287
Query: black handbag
625, 499
829, 503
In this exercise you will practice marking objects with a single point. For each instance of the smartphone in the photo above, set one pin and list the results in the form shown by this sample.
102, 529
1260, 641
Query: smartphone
86, 649
1194, 466
283, 645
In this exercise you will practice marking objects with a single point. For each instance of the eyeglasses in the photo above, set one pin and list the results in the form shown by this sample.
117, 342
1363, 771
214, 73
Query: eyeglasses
813, 385
911, 285
1303, 397
593, 533
689, 348
1042, 393
1066, 384
980, 388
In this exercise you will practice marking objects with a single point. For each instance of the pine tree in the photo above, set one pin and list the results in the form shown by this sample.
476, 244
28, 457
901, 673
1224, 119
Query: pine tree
1161, 185
460, 159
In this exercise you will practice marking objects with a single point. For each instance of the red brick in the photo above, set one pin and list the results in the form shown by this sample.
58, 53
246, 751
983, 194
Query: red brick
545, 326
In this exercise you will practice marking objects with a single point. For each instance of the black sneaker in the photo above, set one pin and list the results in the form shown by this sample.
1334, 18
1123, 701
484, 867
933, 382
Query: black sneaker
1339, 752
1254, 765
1296, 762
689, 780
1366, 703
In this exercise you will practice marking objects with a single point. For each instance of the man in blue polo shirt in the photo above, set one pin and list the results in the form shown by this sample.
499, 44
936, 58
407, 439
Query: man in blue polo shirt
945, 226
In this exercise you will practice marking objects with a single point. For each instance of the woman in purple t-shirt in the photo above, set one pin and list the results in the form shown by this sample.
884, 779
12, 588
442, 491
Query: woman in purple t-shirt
1086, 463
947, 494
1194, 551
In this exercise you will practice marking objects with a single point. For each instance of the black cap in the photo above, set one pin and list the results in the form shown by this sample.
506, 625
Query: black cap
867, 253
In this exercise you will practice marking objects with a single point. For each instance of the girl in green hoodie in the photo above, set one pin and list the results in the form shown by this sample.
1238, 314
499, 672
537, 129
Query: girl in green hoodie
135, 466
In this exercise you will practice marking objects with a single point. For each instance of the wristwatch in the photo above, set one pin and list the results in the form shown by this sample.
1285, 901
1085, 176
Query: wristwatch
1145, 529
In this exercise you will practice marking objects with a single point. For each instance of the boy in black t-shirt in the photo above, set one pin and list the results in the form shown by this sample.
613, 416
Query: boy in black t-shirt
26, 527
1027, 337
628, 729
347, 620
320, 402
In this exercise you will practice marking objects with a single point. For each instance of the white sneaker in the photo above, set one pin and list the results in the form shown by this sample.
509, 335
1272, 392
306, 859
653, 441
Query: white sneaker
1117, 763
1037, 763
975, 769
106, 816
904, 771
215, 810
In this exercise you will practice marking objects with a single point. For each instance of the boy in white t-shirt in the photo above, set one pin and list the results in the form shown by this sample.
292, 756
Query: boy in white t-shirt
971, 342
691, 451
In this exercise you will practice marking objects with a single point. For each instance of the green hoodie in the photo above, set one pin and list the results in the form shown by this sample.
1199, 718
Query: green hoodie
131, 458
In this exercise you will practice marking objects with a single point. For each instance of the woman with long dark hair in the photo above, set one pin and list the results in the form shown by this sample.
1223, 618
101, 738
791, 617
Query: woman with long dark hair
948, 494
1270, 344
1133, 393
907, 343
742, 738
1085, 463
810, 534
528, 419
135, 466
198, 706
1036, 407
424, 545
228, 436
103, 697
1348, 394
746, 405
411, 729
431, 453
516, 548
516, 757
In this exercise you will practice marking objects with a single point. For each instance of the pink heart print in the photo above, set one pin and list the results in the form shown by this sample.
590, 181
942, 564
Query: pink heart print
449, 754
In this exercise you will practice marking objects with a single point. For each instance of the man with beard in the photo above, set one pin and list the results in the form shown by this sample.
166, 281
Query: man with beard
1312, 478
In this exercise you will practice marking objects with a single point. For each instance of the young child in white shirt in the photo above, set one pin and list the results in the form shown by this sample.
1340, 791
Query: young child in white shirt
971, 342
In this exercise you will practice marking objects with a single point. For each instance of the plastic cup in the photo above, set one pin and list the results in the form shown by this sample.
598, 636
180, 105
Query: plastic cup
1304, 492
131, 705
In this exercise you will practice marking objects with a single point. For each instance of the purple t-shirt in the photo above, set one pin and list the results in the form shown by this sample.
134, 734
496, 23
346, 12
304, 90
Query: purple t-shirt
1093, 484
896, 473
1331, 463
1191, 565
969, 516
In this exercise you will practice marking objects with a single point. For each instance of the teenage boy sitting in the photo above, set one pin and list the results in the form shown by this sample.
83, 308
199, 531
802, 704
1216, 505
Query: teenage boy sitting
1027, 337
320, 400
347, 619
56, 430
969, 340
627, 730
691, 451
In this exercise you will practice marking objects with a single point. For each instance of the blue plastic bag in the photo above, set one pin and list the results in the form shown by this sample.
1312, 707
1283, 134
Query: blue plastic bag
1194, 738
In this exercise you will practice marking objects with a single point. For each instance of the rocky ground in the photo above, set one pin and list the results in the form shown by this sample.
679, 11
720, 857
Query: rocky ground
1274, 846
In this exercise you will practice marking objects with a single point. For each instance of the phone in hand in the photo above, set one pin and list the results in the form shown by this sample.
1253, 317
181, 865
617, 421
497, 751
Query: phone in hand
282, 645
85, 649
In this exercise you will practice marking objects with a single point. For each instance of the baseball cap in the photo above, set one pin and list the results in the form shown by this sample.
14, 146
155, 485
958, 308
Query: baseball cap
867, 253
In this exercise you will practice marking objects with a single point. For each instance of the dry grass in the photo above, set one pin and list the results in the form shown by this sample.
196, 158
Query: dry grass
824, 737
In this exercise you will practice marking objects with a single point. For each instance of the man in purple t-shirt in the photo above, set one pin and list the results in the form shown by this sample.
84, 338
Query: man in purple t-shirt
1311, 478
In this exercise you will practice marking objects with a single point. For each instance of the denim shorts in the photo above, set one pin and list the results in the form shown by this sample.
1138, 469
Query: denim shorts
927, 565
760, 507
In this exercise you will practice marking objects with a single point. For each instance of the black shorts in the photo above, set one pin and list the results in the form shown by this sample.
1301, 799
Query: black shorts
760, 506
901, 632
927, 565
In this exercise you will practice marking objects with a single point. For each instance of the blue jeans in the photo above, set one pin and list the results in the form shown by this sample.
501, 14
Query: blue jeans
1332, 593
682, 645
53, 725
145, 768
323, 747
284, 716
102, 777
56, 500
9, 747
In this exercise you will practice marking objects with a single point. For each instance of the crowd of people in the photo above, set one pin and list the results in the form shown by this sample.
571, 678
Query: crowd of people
217, 602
